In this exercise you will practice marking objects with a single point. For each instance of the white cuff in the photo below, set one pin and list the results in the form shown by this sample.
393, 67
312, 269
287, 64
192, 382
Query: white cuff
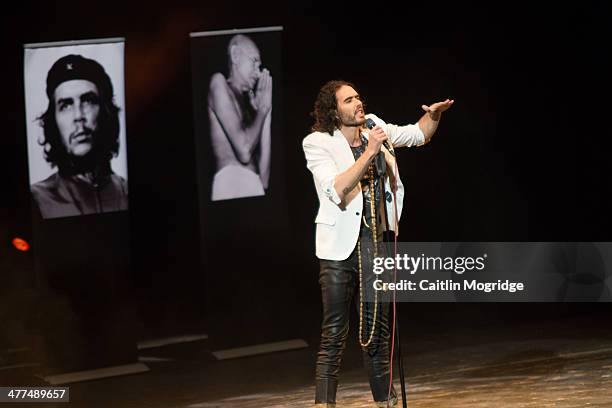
331, 193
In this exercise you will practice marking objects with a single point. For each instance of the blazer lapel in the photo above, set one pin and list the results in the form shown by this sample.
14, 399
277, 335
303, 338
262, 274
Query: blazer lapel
342, 150
345, 159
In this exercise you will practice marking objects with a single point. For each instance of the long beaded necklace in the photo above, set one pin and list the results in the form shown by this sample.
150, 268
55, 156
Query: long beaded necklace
362, 342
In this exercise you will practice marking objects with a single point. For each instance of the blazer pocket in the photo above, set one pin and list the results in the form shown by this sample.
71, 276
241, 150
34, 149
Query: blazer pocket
325, 219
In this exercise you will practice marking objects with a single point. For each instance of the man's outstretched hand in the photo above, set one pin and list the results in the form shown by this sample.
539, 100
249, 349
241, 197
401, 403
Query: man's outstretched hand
436, 109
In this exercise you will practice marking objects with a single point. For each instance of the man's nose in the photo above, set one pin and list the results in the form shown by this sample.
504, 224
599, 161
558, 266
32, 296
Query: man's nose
79, 113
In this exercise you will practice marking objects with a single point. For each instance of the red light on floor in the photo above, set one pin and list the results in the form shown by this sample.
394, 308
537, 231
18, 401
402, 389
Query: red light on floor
21, 244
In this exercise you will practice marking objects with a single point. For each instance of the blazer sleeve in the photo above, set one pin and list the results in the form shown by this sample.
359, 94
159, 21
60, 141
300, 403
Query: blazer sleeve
400, 136
323, 168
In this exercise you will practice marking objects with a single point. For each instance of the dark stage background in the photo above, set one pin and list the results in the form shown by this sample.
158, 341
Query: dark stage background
522, 155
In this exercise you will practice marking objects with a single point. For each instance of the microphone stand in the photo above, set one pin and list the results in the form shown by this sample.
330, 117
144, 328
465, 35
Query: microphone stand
381, 167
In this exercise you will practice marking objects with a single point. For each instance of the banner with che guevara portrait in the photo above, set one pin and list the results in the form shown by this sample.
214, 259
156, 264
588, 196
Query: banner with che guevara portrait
75, 126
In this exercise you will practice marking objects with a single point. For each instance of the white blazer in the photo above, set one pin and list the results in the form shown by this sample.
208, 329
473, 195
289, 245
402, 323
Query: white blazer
328, 155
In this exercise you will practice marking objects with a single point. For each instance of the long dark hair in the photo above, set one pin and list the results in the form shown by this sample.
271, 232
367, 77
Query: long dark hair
325, 111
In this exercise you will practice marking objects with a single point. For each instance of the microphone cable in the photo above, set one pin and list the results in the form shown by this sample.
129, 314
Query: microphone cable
393, 333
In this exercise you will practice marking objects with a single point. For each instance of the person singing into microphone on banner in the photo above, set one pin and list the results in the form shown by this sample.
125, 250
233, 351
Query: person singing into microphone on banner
341, 153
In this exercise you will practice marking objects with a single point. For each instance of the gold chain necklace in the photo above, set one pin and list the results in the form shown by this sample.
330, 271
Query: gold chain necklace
375, 241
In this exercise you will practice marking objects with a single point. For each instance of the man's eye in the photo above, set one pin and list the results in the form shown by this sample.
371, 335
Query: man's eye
89, 100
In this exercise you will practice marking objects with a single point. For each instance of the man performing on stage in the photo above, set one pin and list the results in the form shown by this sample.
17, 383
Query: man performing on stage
340, 154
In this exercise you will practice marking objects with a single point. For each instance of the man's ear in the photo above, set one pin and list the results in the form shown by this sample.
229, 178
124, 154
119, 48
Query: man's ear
234, 53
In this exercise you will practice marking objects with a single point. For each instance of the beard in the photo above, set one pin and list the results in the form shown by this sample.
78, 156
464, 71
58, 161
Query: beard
351, 120
96, 161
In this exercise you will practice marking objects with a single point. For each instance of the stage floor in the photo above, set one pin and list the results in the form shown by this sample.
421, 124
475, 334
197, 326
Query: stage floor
546, 373
566, 363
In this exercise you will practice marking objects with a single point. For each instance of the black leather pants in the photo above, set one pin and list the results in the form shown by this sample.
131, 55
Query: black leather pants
339, 282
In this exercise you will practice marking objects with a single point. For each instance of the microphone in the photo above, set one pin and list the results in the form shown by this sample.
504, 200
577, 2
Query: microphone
370, 124
379, 161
